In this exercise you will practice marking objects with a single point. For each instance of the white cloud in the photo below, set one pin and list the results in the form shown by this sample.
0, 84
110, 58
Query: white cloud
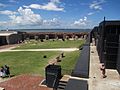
97, 5
52, 22
51, 6
90, 13
55, 1
22, 17
35, 6
81, 22
26, 17
7, 12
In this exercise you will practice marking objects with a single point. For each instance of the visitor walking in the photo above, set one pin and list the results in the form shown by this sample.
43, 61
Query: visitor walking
102, 68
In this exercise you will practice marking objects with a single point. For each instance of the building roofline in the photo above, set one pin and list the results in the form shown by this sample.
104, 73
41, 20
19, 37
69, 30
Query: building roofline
7, 33
110, 22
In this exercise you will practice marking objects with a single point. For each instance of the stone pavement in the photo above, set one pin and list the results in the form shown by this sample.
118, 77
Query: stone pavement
96, 82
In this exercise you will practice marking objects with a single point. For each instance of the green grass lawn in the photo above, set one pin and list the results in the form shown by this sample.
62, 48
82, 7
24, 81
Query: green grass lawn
26, 62
34, 63
51, 44
69, 61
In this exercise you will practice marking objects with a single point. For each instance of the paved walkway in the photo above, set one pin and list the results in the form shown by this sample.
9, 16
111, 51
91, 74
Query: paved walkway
56, 49
7, 48
96, 82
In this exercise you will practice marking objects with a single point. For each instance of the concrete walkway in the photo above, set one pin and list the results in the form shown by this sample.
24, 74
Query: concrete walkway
96, 82
7, 49
56, 49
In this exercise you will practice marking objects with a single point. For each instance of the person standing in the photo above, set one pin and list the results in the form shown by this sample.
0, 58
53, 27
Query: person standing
102, 68
2, 72
7, 70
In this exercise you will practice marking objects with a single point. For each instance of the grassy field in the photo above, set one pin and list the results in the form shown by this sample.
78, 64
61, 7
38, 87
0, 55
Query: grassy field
26, 62
34, 63
51, 44
69, 61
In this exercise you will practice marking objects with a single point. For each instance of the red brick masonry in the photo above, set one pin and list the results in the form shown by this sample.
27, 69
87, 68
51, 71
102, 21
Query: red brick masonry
24, 82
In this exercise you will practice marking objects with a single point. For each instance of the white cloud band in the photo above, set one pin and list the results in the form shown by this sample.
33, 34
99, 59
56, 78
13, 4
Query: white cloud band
97, 5
51, 6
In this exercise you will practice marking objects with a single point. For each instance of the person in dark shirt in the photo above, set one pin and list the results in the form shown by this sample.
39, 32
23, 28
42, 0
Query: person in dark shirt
7, 70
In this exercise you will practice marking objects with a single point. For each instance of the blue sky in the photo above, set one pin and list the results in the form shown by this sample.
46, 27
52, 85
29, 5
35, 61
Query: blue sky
23, 14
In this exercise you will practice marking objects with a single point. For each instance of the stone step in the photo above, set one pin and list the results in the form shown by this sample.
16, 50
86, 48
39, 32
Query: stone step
62, 85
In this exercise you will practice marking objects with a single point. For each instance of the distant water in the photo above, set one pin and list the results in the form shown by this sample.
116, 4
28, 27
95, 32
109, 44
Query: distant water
54, 30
